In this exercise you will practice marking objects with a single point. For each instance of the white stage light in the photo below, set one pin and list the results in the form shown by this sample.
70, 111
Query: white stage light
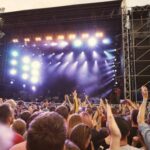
77, 43
13, 71
34, 79
92, 42
106, 41
25, 68
14, 53
25, 76
26, 59
33, 88
36, 64
13, 62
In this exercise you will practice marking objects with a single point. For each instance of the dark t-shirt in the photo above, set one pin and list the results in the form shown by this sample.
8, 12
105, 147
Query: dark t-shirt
133, 132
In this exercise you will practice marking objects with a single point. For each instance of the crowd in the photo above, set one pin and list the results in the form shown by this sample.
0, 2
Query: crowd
75, 125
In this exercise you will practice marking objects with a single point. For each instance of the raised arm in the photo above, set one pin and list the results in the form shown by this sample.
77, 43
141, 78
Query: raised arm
114, 130
142, 109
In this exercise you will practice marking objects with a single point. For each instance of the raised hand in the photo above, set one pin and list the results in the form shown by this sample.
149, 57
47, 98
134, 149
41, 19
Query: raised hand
144, 92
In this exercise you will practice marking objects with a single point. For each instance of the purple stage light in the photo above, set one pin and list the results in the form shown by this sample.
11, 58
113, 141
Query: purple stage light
95, 67
69, 57
95, 55
33, 88
59, 56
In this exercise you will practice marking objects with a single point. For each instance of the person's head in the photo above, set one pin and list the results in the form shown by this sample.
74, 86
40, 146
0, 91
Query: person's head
63, 111
6, 114
81, 136
19, 126
12, 103
73, 120
86, 119
46, 103
46, 131
25, 115
124, 127
134, 115
70, 145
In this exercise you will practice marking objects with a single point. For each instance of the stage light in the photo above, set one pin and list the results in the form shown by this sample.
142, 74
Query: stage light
49, 38
95, 55
38, 39
14, 53
85, 35
15, 40
77, 43
63, 44
13, 62
60, 37
109, 55
36, 64
35, 72
25, 76
26, 59
92, 42
81, 57
24, 85
33, 88
13, 71
34, 80
72, 36
59, 56
95, 67
34, 45
69, 57
106, 41
27, 39
53, 44
25, 68
99, 34
11, 82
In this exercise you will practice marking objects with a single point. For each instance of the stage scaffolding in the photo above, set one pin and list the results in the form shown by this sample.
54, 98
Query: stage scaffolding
136, 49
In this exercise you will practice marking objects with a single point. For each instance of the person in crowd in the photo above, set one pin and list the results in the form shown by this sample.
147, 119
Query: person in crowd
81, 136
124, 128
6, 118
46, 131
19, 126
134, 126
63, 111
144, 128
73, 120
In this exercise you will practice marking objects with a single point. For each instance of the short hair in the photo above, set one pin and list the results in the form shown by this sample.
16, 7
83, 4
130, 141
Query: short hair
46, 131
134, 115
63, 111
25, 115
124, 126
19, 126
80, 135
12, 103
5, 112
